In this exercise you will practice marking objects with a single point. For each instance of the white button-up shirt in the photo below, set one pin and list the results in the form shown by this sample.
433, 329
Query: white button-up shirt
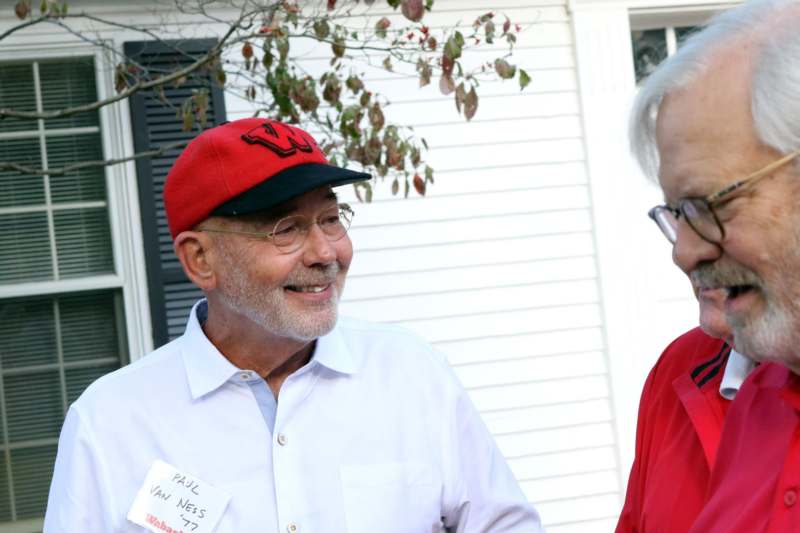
373, 435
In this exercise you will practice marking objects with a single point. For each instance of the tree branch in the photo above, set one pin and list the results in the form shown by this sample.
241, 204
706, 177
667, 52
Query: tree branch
33, 171
130, 91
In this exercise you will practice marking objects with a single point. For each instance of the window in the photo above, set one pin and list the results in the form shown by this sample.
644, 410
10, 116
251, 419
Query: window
651, 47
61, 309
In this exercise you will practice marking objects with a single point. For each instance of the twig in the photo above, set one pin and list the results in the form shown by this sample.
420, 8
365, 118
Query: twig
33, 171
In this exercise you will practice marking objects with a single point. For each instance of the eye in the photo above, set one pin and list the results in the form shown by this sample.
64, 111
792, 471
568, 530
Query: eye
330, 219
286, 227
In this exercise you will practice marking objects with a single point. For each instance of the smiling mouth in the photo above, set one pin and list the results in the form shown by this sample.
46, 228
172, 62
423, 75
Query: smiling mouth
734, 291
313, 289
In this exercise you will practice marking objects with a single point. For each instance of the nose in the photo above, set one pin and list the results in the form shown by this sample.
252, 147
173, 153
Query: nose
690, 249
318, 250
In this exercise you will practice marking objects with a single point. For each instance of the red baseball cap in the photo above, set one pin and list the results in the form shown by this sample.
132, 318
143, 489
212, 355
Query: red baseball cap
245, 166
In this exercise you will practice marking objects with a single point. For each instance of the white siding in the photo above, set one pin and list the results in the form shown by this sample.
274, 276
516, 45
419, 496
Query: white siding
497, 265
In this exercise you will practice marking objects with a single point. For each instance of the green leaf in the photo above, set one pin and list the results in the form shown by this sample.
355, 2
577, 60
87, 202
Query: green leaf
322, 29
452, 50
524, 79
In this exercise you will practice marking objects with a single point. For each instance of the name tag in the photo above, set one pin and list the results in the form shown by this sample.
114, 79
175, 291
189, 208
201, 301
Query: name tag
171, 501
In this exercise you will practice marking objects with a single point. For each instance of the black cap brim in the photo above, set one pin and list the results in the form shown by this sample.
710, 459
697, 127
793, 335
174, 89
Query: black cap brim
286, 185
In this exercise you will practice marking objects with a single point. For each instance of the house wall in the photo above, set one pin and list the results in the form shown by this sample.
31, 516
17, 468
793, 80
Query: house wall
497, 266
530, 263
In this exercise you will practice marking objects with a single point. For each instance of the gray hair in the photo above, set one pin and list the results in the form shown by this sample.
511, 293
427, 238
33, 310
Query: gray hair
773, 26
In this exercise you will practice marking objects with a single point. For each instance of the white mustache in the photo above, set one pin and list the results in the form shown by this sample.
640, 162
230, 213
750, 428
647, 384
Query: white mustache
722, 275
322, 276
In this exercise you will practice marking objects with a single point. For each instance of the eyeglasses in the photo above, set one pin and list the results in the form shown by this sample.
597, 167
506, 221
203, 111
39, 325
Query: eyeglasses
289, 233
699, 212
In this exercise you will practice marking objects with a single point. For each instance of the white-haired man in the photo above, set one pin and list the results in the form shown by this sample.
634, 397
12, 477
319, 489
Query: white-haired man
719, 123
267, 414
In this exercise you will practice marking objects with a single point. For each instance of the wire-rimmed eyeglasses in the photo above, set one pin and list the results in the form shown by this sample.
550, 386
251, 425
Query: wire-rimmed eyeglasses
289, 233
699, 212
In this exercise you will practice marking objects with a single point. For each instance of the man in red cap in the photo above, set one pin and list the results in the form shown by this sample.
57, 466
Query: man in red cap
269, 414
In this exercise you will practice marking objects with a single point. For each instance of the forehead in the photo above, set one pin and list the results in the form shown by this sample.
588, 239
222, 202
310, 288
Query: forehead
705, 134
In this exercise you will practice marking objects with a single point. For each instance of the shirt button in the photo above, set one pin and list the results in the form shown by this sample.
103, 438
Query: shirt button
282, 440
790, 497
292, 528
245, 375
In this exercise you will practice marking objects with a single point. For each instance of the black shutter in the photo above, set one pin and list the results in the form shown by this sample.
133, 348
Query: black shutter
155, 123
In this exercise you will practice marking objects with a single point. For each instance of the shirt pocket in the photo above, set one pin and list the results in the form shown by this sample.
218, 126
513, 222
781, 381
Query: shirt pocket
397, 497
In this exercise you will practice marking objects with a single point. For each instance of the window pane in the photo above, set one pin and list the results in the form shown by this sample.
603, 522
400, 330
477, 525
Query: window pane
27, 333
87, 184
16, 92
80, 378
34, 409
67, 84
89, 327
16, 188
83, 241
91, 337
25, 248
649, 49
5, 496
32, 469
683, 33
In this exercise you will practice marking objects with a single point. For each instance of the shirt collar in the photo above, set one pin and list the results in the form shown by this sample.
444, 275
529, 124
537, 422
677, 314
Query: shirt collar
333, 352
736, 371
206, 368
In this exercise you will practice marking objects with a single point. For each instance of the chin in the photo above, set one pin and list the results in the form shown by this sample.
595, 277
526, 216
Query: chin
768, 337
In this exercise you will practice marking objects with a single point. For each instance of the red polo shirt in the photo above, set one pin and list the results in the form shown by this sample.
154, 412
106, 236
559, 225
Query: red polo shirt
756, 481
681, 414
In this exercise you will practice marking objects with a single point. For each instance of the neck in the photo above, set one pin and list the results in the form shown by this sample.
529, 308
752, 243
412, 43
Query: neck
249, 347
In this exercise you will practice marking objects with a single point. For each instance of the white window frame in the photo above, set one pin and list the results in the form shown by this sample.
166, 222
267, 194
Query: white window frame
122, 201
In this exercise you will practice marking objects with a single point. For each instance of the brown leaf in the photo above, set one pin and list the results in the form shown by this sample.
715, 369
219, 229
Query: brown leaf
338, 47
395, 187
461, 96
506, 25
446, 84
419, 185
355, 84
424, 70
413, 10
331, 4
247, 50
22, 9
376, 117
432, 44
447, 64
504, 69
471, 104
387, 64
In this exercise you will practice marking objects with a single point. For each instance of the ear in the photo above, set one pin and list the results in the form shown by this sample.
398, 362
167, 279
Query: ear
193, 249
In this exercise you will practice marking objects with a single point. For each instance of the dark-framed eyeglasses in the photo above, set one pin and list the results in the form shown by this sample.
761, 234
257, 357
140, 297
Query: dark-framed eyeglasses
699, 212
289, 233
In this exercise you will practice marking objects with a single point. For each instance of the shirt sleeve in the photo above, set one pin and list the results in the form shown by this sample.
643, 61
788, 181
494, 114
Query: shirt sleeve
78, 499
484, 495
630, 516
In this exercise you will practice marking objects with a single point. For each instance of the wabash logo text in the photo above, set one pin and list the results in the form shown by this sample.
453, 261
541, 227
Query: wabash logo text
280, 139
